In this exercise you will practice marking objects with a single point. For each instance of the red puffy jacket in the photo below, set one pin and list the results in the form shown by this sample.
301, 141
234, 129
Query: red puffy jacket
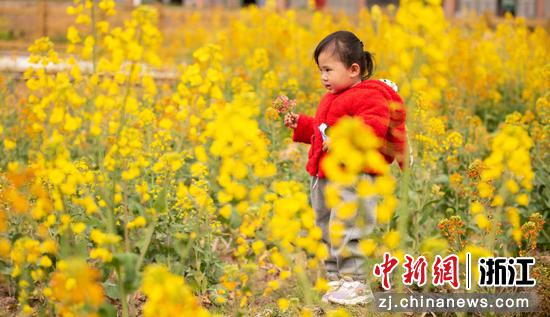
375, 102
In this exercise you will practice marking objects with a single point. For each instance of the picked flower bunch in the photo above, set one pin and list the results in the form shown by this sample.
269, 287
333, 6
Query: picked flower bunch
283, 104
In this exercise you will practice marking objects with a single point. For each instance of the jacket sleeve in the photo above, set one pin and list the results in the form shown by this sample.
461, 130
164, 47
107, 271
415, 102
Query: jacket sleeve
395, 145
304, 129
375, 112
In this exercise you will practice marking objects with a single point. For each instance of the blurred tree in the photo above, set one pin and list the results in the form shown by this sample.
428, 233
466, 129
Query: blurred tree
506, 6
370, 3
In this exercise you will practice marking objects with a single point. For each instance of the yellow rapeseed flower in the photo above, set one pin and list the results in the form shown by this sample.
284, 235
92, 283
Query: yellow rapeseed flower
392, 239
367, 246
168, 295
283, 304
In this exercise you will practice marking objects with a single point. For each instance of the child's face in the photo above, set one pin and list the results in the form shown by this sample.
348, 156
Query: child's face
335, 75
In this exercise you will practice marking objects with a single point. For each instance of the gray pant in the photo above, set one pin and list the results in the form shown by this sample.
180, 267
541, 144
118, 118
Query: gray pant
344, 258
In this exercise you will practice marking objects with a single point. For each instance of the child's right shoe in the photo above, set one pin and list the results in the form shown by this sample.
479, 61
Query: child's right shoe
351, 292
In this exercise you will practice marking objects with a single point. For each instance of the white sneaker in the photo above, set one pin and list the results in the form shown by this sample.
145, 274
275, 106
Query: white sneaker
351, 293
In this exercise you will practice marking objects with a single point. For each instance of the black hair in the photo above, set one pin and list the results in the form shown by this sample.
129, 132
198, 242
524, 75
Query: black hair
349, 50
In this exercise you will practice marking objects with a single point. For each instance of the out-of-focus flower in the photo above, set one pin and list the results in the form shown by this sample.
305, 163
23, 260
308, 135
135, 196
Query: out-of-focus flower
168, 295
75, 286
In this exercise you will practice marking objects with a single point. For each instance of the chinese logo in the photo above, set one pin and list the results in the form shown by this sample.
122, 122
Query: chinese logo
494, 271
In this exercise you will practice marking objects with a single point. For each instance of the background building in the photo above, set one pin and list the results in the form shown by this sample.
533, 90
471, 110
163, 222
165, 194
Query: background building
531, 9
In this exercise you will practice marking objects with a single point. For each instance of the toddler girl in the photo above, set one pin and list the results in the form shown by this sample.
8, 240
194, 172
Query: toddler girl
345, 67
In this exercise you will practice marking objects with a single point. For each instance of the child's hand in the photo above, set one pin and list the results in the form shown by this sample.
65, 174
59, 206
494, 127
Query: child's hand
291, 120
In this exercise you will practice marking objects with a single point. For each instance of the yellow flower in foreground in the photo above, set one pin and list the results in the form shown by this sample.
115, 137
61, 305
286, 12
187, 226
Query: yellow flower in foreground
367, 246
512, 186
476, 252
258, 247
522, 199
75, 284
346, 210
321, 285
482, 221
354, 148
434, 246
168, 295
9, 144
102, 254
513, 217
392, 238
45, 261
338, 313
283, 304
226, 211
5, 248
476, 208
78, 227
139, 222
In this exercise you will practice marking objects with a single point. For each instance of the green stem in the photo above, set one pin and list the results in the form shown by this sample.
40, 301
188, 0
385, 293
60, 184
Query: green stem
126, 94
148, 238
403, 210
122, 293
94, 35
111, 214
303, 280
150, 232
496, 221
126, 219
116, 173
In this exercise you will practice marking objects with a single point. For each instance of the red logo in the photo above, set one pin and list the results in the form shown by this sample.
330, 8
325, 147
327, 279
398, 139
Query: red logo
384, 270
445, 271
415, 271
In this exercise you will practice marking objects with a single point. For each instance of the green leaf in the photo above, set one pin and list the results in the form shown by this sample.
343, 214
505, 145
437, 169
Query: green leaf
235, 220
111, 290
126, 263
107, 310
160, 204
136, 205
441, 179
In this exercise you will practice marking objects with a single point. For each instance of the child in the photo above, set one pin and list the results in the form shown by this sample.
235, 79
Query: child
345, 68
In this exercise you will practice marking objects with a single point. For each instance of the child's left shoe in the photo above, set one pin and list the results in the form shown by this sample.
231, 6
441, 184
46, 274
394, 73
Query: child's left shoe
333, 284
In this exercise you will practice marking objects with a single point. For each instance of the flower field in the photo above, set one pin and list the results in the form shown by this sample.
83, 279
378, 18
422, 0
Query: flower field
153, 176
